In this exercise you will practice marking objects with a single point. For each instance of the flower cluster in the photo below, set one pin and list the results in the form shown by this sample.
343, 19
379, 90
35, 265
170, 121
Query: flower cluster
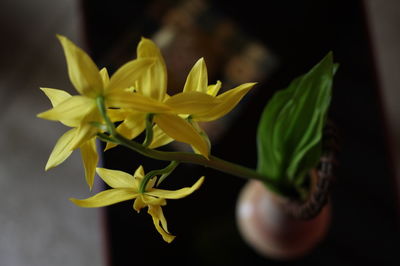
135, 98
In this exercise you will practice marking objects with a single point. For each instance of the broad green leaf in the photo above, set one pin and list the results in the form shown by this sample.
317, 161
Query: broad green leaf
290, 129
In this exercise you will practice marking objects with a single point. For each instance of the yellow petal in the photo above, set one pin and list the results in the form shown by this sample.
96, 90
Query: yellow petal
126, 75
181, 130
135, 101
138, 176
160, 223
56, 96
151, 184
192, 102
133, 125
70, 112
139, 173
202, 133
62, 150
84, 133
82, 71
90, 159
110, 145
106, 198
139, 204
104, 76
214, 89
227, 101
136, 121
159, 138
148, 49
197, 79
153, 201
118, 114
116, 178
143, 201
175, 194
154, 82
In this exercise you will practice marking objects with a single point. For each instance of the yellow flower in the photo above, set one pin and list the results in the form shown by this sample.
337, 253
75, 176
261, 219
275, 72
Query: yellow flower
81, 135
152, 88
80, 111
197, 84
196, 92
197, 101
126, 187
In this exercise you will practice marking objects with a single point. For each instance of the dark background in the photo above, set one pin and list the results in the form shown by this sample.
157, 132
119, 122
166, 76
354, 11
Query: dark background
364, 225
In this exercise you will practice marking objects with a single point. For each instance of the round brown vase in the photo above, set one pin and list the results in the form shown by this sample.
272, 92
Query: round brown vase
270, 230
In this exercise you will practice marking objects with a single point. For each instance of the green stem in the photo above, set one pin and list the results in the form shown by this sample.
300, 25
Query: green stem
182, 157
153, 173
103, 112
172, 167
149, 130
185, 157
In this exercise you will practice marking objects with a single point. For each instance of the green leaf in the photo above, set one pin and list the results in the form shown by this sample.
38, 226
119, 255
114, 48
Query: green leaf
291, 126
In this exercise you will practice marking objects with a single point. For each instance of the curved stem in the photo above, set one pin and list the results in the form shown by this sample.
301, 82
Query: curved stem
103, 112
181, 157
172, 167
149, 175
149, 130
185, 157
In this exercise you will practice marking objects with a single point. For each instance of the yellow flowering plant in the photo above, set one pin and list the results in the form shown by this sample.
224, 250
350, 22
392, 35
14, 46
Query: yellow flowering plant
134, 100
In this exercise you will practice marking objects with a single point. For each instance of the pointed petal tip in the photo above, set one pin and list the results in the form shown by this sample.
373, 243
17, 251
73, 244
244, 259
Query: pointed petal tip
108, 147
40, 115
206, 155
44, 115
169, 238
135, 207
201, 61
146, 41
45, 89
61, 38
49, 166
245, 86
76, 201
90, 184
199, 183
252, 83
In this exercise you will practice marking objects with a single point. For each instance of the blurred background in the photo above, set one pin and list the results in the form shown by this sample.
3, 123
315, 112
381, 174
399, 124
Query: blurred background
265, 41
